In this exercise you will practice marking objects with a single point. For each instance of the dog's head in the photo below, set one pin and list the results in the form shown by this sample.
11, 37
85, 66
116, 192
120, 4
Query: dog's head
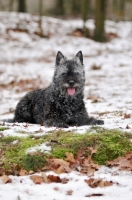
69, 75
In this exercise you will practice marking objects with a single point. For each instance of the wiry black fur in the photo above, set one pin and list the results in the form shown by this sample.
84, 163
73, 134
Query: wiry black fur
53, 106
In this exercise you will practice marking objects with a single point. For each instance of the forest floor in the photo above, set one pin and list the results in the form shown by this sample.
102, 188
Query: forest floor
27, 62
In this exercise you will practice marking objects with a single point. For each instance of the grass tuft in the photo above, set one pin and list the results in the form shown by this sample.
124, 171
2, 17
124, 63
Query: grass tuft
14, 152
110, 144
2, 128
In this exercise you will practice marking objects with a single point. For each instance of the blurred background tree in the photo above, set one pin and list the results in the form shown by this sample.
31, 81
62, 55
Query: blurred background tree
100, 14
119, 9
40, 17
116, 9
84, 9
11, 2
59, 7
99, 10
21, 5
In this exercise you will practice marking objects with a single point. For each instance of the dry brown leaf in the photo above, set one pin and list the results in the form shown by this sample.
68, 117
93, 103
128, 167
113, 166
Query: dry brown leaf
77, 33
31, 172
37, 179
91, 164
98, 183
105, 183
92, 150
39, 130
124, 163
129, 155
94, 195
56, 188
111, 36
88, 166
54, 178
70, 157
23, 172
6, 179
80, 157
128, 127
60, 162
1, 163
2, 171
46, 180
60, 170
64, 180
88, 170
126, 116
95, 67
69, 192
25, 125
96, 99
74, 165
59, 166
72, 162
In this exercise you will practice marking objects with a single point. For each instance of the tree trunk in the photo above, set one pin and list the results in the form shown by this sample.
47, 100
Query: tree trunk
40, 17
59, 7
122, 9
119, 9
22, 6
84, 9
99, 34
75, 7
11, 5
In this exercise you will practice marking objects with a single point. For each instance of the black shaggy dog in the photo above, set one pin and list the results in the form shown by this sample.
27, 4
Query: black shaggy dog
61, 104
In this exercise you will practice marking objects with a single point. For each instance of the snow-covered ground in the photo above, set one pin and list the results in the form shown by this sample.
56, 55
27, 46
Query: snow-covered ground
27, 62
23, 188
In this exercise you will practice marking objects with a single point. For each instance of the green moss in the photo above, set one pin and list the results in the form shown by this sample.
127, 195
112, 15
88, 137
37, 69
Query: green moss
110, 144
33, 162
15, 152
2, 128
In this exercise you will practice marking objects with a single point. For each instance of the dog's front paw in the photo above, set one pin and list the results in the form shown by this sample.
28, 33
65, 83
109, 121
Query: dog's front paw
100, 122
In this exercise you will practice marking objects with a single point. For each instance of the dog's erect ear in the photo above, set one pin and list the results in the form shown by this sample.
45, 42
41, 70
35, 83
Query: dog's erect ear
59, 58
79, 57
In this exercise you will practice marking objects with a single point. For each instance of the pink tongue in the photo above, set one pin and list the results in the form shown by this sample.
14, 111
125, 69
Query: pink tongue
71, 91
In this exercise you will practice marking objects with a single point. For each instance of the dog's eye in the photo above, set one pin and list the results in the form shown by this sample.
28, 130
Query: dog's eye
76, 73
64, 74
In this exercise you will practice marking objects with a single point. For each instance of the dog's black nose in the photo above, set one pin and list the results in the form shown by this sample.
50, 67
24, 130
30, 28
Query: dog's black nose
71, 83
